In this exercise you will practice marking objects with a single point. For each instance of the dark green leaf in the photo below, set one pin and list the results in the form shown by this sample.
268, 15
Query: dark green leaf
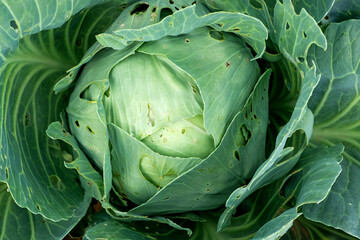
19, 223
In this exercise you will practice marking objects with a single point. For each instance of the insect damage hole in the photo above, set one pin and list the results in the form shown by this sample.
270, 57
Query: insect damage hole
14, 25
141, 8
216, 35
165, 12
304, 34
237, 155
287, 26
90, 130
300, 59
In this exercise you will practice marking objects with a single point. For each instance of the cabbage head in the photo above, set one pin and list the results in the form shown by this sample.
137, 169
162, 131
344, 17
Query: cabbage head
158, 106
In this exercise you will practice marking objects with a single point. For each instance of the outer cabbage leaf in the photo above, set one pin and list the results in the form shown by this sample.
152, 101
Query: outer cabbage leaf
31, 163
294, 136
315, 174
102, 225
19, 223
316, 8
343, 10
185, 21
336, 106
254, 8
21, 18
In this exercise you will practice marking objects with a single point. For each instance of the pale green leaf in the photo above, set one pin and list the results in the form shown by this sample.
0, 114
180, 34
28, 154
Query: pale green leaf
207, 185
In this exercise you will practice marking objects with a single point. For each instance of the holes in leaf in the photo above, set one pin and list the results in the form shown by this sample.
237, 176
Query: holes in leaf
187, 40
236, 155
165, 12
256, 4
304, 34
140, 8
243, 136
287, 26
14, 25
90, 130
217, 35
27, 119
300, 59
220, 25
77, 123
193, 88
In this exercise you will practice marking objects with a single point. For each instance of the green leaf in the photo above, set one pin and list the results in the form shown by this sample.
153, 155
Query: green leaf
294, 136
255, 8
316, 8
343, 10
225, 76
340, 209
257, 210
112, 229
31, 163
102, 225
133, 162
185, 21
294, 34
92, 180
207, 185
21, 18
295, 133
319, 168
135, 16
19, 223
336, 106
